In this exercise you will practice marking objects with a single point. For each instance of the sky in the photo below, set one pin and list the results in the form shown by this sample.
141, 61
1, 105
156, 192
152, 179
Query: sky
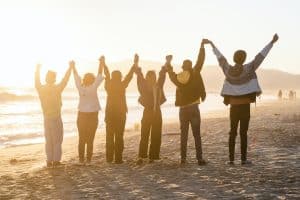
52, 32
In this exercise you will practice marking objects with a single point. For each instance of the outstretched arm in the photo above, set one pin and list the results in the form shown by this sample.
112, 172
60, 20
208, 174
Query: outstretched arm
259, 58
65, 80
221, 59
37, 82
129, 76
173, 76
201, 56
77, 78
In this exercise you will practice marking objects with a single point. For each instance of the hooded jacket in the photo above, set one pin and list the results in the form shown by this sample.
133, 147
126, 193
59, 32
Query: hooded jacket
190, 87
241, 81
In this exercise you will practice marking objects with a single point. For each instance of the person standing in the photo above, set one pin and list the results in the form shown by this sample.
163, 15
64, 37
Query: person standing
240, 89
190, 91
115, 112
51, 103
151, 98
88, 108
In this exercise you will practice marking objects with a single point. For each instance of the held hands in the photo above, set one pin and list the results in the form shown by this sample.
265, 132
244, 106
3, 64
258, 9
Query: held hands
275, 38
72, 64
38, 66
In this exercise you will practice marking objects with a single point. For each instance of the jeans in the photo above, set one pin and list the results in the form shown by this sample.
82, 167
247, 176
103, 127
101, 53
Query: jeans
151, 125
114, 138
190, 115
239, 114
87, 124
54, 138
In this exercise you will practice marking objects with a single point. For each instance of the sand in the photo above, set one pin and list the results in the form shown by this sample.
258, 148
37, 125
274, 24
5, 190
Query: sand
274, 149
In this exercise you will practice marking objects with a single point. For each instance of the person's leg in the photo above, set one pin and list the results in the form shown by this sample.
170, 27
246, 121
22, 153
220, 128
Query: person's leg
48, 141
119, 141
195, 123
110, 143
81, 126
156, 136
234, 121
93, 124
145, 132
57, 139
184, 128
244, 125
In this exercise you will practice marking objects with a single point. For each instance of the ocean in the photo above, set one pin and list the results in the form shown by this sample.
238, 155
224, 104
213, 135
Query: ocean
21, 119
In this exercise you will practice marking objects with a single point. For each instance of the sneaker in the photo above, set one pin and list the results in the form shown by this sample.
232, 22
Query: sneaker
246, 162
56, 163
151, 160
202, 162
139, 161
183, 161
49, 164
89, 160
118, 161
81, 161
230, 163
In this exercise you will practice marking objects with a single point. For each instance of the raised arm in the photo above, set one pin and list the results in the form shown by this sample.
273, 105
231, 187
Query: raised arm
259, 58
129, 76
37, 80
162, 74
65, 80
221, 59
201, 56
173, 76
77, 78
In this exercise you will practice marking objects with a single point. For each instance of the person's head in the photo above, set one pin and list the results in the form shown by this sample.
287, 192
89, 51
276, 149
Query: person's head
116, 76
88, 79
151, 77
187, 65
239, 57
50, 77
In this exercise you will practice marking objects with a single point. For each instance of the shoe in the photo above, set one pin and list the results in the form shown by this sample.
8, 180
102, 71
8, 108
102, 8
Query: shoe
139, 161
49, 164
246, 162
230, 163
81, 160
202, 162
151, 161
89, 160
56, 163
118, 161
183, 161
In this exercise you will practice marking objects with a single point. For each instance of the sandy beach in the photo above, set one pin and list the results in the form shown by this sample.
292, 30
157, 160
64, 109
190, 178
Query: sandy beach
274, 149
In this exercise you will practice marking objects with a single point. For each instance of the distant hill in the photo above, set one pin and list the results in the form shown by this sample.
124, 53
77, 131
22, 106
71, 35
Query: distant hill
269, 79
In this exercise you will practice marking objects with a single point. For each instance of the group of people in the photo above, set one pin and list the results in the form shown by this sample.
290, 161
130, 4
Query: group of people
240, 89
292, 95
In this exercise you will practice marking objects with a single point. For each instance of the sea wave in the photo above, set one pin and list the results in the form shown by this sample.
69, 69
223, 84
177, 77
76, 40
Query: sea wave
5, 96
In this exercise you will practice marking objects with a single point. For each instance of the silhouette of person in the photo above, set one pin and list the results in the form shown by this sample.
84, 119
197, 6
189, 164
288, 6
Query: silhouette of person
151, 98
280, 94
190, 91
240, 88
115, 112
88, 108
51, 103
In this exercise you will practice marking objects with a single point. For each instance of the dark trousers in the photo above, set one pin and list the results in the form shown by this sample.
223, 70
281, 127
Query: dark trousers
87, 124
151, 126
115, 127
239, 114
190, 115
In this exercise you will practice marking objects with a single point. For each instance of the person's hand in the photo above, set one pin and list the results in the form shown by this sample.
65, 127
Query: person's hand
72, 64
205, 41
169, 59
102, 60
136, 60
275, 38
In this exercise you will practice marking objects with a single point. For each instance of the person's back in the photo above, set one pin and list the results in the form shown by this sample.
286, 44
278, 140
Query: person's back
50, 97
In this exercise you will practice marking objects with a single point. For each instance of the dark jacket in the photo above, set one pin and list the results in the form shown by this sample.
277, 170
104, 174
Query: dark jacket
194, 89
116, 105
146, 98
